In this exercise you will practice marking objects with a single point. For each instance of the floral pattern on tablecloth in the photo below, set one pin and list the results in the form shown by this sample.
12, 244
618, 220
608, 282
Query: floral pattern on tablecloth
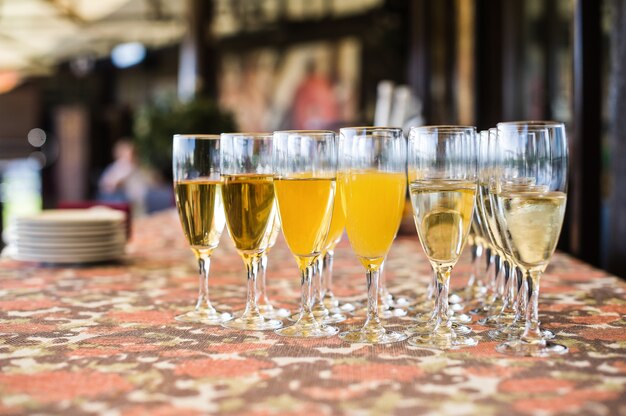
102, 340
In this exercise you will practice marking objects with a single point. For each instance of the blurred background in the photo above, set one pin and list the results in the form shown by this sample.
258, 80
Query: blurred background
92, 91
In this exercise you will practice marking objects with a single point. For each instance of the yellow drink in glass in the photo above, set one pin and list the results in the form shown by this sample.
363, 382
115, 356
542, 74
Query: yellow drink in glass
374, 204
305, 207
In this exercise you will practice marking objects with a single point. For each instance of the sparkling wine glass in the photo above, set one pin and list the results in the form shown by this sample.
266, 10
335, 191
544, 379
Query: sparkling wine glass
373, 171
197, 186
249, 204
265, 305
442, 184
499, 312
534, 154
305, 167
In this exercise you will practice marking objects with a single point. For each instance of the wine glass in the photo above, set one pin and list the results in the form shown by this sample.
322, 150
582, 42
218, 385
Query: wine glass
248, 193
198, 190
265, 305
535, 154
373, 175
499, 311
305, 167
442, 184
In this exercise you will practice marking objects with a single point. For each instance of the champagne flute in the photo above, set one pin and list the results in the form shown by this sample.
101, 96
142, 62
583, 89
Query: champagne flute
442, 184
248, 193
534, 153
498, 312
373, 171
197, 186
305, 165
265, 305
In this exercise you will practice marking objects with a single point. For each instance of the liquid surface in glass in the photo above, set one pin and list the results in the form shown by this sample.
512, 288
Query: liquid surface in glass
199, 203
442, 210
249, 208
533, 221
305, 206
338, 220
374, 205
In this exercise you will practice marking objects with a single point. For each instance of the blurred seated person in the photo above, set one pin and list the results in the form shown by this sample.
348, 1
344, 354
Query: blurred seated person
126, 180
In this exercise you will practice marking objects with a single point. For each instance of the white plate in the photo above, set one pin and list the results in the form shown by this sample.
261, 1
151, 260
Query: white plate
68, 243
66, 259
66, 232
68, 250
92, 216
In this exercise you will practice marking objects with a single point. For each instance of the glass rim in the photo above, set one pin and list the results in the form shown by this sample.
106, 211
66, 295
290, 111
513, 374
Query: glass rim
445, 127
370, 128
305, 132
197, 136
249, 135
530, 123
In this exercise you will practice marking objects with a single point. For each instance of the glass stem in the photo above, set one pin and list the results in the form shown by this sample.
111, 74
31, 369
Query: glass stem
203, 303
383, 294
441, 297
372, 323
521, 300
252, 267
474, 284
532, 333
327, 276
319, 309
262, 299
306, 294
490, 277
507, 279
318, 287
499, 276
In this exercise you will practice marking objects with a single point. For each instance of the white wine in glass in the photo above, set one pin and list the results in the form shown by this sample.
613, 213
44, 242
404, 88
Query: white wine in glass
442, 185
535, 154
198, 192
249, 203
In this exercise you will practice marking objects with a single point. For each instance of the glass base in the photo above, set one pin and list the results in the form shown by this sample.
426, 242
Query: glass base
307, 330
206, 317
362, 336
514, 332
253, 323
461, 318
455, 299
444, 341
532, 349
335, 306
321, 317
398, 302
456, 307
384, 311
270, 312
428, 327
387, 312
349, 306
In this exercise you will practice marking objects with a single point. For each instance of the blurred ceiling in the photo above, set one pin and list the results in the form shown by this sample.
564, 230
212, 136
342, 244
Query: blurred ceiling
36, 34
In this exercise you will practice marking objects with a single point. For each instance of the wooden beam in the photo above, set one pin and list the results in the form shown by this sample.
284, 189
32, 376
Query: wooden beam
616, 247
419, 53
489, 57
585, 142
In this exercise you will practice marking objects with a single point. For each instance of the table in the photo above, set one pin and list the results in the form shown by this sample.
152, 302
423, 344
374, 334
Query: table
101, 339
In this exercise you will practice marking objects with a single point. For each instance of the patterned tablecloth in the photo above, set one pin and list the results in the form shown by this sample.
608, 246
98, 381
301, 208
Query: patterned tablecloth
101, 340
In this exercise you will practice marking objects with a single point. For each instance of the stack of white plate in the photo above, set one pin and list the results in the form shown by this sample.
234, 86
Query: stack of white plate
69, 236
